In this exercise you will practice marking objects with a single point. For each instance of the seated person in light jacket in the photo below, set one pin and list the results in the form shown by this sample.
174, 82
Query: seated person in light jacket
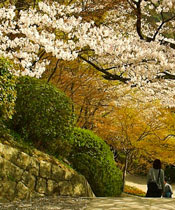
168, 190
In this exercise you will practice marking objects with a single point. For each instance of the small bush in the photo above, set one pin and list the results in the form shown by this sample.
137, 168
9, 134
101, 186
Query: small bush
43, 114
92, 157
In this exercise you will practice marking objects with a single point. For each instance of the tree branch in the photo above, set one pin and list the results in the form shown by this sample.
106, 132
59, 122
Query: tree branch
161, 25
107, 75
53, 72
139, 19
170, 135
166, 76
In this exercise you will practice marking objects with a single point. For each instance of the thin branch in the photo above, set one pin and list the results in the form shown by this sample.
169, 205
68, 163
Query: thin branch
166, 76
161, 25
106, 75
41, 54
69, 2
143, 135
53, 72
170, 135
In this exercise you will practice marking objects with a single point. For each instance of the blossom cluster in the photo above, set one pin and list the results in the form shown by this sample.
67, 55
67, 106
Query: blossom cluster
54, 30
145, 63
50, 29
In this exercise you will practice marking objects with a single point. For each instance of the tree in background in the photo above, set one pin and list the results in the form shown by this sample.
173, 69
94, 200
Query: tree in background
139, 132
90, 93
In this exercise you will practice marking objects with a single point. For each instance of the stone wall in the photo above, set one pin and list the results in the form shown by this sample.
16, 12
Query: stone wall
24, 176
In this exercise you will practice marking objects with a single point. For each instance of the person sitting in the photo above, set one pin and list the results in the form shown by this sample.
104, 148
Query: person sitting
168, 190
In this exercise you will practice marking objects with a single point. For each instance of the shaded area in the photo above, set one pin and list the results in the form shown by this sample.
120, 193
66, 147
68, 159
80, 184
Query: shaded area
63, 203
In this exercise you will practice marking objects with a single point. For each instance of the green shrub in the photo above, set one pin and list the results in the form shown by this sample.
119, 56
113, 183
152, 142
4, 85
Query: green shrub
92, 157
43, 114
4, 131
7, 89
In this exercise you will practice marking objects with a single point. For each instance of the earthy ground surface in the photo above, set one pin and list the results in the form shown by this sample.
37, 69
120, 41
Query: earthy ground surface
125, 202
68, 203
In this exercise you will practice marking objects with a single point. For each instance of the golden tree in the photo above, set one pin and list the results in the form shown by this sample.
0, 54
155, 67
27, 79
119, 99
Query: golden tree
139, 133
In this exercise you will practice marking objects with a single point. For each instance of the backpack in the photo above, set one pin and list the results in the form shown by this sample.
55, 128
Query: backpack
152, 186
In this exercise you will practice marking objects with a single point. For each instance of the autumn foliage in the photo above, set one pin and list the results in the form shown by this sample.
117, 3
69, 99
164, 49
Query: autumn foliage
90, 93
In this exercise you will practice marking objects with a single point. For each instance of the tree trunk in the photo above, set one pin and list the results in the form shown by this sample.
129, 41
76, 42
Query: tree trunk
125, 170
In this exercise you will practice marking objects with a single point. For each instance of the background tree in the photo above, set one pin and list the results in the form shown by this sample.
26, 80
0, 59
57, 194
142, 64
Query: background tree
139, 132
90, 93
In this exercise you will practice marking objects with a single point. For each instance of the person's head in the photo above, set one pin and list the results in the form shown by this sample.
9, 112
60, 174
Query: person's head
157, 164
165, 179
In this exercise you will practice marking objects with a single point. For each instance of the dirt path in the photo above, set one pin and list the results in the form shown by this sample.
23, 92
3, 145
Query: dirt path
136, 181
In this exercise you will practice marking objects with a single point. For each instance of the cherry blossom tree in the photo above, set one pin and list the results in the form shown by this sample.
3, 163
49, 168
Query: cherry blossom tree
127, 47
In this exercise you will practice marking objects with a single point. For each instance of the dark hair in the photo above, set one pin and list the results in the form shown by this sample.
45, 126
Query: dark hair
166, 179
157, 164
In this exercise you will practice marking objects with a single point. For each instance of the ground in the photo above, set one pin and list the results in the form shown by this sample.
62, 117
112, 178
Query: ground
125, 202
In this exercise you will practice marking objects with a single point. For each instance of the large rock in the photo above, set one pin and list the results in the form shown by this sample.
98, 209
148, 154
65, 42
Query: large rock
24, 176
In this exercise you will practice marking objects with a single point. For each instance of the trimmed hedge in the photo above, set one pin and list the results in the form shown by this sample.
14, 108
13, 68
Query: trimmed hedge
7, 89
92, 157
43, 113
